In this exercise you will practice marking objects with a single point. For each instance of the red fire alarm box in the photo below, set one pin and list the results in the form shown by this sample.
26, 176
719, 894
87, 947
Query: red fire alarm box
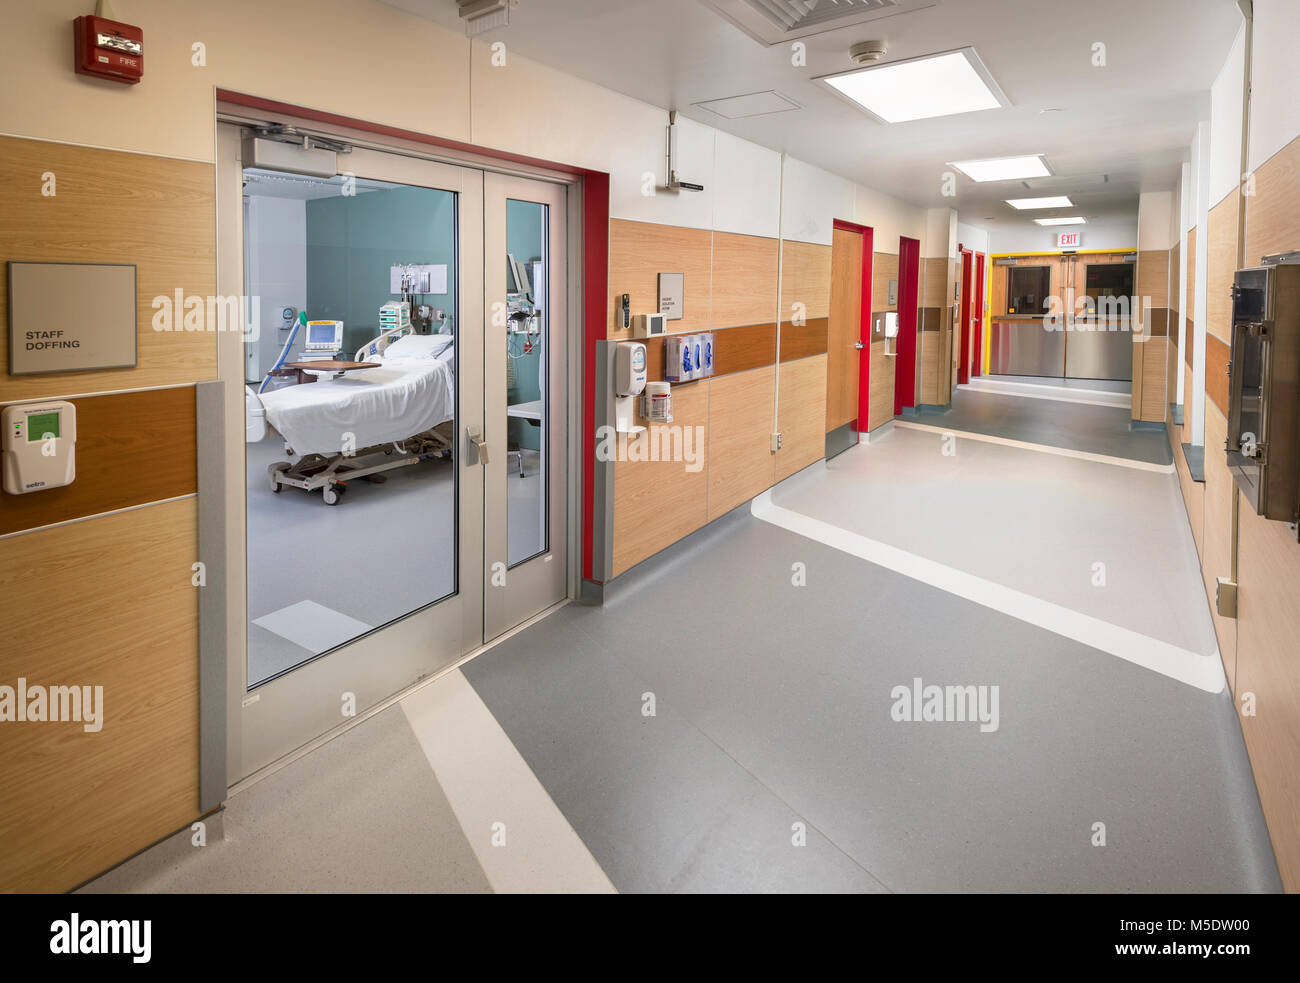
108, 49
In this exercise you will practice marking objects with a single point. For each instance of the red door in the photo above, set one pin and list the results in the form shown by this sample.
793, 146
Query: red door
963, 366
977, 361
909, 283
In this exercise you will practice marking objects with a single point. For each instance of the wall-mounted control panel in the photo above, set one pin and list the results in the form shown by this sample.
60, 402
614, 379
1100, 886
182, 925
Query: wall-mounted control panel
649, 326
39, 446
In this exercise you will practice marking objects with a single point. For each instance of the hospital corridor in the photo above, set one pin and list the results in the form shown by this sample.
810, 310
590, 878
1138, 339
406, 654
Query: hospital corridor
776, 447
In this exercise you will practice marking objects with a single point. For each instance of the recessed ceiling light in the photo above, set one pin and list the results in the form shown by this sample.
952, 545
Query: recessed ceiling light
922, 88
1004, 168
1060, 201
1074, 220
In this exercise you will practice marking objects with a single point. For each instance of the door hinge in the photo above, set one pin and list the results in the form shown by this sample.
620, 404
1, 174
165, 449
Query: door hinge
776, 442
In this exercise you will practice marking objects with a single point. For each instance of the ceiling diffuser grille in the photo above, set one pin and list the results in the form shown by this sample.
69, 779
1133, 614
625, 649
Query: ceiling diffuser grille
806, 13
778, 21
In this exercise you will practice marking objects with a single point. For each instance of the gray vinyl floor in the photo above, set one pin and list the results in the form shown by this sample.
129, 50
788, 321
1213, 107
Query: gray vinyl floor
385, 550
1104, 385
727, 720
1104, 430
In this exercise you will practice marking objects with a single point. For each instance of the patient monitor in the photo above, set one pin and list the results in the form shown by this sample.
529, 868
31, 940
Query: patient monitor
39, 446
323, 337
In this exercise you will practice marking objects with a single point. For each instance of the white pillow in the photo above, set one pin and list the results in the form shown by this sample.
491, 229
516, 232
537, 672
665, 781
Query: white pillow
419, 346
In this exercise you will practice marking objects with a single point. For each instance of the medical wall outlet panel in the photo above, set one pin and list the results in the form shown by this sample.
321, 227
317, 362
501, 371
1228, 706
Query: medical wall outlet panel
649, 326
108, 49
39, 446
629, 382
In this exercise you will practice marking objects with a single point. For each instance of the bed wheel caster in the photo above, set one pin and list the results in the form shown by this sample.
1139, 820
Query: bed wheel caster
271, 472
330, 495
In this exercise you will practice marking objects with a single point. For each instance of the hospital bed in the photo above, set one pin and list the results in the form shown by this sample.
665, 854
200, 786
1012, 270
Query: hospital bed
360, 424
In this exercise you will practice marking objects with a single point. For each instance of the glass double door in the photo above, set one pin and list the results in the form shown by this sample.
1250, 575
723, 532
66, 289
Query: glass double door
402, 450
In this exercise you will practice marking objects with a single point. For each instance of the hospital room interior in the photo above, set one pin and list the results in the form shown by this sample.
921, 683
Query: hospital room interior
678, 447
369, 278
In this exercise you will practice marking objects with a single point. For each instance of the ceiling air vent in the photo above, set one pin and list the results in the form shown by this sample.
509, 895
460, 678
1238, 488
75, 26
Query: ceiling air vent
781, 21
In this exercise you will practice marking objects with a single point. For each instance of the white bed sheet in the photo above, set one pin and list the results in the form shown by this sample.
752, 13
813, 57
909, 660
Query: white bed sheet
398, 400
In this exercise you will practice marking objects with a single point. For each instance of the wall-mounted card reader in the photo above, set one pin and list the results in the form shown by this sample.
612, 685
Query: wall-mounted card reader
39, 446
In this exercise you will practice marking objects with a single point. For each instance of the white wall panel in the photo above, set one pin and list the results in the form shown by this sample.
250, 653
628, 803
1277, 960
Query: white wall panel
1274, 108
1225, 121
813, 200
1154, 211
746, 185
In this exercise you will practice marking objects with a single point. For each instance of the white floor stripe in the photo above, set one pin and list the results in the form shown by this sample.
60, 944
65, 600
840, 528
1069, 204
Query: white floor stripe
1059, 394
1122, 462
487, 782
1202, 671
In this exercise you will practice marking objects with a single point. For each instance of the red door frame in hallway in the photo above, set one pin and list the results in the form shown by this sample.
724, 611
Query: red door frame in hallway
864, 328
909, 285
977, 316
967, 278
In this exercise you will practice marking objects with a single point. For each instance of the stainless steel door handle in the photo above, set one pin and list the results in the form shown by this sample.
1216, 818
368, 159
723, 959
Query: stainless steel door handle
476, 451
859, 345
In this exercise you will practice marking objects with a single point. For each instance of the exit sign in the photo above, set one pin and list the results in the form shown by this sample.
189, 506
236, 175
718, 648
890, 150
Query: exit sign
1069, 240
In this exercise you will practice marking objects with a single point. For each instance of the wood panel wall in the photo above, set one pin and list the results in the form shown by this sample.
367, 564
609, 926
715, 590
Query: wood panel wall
656, 503
883, 269
731, 289
883, 367
802, 415
747, 467
640, 251
112, 207
1221, 263
126, 616
106, 602
1268, 558
1150, 355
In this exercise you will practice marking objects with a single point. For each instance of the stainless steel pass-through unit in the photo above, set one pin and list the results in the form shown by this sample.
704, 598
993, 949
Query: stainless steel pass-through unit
1263, 443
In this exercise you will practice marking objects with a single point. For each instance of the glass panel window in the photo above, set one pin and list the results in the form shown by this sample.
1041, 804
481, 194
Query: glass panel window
527, 401
351, 395
1027, 289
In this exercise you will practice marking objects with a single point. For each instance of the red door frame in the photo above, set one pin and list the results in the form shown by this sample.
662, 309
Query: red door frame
977, 365
864, 326
595, 266
909, 285
967, 277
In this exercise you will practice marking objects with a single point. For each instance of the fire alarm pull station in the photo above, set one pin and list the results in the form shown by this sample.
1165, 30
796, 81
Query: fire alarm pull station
108, 49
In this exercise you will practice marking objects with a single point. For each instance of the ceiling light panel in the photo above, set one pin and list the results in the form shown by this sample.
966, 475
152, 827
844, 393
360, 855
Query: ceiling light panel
944, 84
1060, 201
1004, 168
1073, 220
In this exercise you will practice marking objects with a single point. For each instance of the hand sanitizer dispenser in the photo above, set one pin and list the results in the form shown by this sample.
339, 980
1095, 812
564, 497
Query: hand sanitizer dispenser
629, 382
